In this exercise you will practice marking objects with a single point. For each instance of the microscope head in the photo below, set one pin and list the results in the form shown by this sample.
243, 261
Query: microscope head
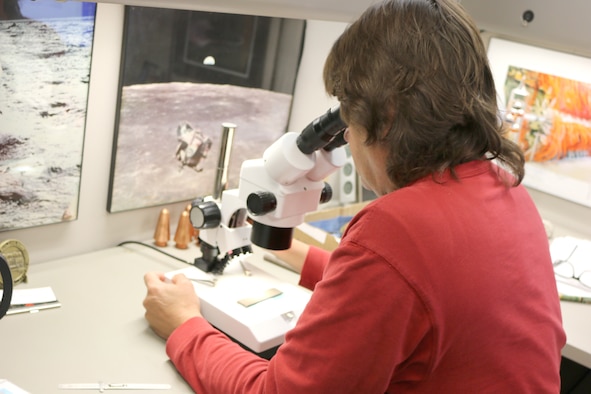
288, 181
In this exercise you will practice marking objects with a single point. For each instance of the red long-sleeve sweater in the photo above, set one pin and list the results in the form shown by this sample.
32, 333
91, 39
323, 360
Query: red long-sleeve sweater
443, 286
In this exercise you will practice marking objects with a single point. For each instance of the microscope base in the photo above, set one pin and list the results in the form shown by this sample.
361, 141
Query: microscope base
249, 305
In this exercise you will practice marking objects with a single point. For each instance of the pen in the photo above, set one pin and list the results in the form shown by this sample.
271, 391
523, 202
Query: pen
113, 386
32, 308
583, 300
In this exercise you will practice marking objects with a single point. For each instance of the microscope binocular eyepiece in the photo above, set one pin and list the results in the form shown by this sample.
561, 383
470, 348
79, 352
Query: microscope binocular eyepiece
322, 131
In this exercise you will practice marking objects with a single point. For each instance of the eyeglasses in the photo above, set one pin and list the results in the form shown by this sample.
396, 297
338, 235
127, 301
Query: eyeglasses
565, 269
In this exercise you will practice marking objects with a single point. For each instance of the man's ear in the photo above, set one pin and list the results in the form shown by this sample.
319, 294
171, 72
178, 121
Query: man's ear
390, 110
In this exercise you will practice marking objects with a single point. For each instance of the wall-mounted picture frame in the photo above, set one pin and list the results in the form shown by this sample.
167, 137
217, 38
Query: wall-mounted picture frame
231, 40
545, 99
45, 59
184, 74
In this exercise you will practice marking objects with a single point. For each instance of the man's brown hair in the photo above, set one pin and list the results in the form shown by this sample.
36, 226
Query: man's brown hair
415, 75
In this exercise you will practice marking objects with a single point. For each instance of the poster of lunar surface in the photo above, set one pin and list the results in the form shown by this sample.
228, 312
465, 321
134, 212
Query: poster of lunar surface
45, 54
179, 85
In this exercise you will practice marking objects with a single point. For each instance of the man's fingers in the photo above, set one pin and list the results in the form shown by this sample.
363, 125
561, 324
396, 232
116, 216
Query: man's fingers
179, 278
152, 278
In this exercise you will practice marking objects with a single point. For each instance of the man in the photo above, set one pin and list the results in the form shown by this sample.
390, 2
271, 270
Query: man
444, 283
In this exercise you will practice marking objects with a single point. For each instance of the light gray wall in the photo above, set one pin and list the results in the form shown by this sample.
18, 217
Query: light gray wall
96, 229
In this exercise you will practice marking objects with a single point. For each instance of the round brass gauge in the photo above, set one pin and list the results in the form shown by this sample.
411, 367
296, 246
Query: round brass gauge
16, 255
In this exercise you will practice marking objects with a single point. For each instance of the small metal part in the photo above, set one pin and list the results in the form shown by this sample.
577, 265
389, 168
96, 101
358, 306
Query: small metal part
209, 282
288, 316
244, 269
255, 299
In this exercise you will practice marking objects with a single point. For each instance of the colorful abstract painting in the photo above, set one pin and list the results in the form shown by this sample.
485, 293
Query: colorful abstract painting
545, 98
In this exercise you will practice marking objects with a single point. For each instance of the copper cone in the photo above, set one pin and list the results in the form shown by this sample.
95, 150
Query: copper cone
182, 238
162, 233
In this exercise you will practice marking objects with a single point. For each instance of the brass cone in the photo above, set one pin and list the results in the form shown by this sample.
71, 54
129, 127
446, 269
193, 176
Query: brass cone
182, 238
162, 233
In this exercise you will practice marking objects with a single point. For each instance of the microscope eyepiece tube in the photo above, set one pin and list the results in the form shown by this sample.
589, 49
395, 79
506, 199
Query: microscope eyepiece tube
321, 131
337, 141
221, 178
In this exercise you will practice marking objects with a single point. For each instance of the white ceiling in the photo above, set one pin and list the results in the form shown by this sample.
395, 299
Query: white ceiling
558, 24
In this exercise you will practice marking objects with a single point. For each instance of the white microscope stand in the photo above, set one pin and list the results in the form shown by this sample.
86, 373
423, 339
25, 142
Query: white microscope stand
260, 326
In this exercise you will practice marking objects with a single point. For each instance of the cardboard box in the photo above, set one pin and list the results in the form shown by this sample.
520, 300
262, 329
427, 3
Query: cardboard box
324, 228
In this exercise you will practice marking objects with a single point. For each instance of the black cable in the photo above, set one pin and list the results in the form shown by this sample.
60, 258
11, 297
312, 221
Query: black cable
7, 285
156, 249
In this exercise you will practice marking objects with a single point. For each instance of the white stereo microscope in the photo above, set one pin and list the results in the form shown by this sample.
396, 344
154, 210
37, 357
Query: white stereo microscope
274, 193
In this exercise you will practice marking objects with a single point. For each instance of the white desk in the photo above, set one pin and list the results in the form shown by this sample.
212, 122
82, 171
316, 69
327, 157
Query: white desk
576, 319
99, 333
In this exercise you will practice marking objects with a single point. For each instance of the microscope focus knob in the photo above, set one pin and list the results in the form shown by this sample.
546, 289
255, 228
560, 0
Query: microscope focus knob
326, 193
260, 203
205, 214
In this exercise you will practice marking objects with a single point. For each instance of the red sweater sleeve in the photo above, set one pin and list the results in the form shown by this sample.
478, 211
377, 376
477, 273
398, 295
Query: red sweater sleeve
202, 354
313, 268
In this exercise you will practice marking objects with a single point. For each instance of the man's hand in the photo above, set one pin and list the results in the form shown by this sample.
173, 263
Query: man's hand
169, 304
